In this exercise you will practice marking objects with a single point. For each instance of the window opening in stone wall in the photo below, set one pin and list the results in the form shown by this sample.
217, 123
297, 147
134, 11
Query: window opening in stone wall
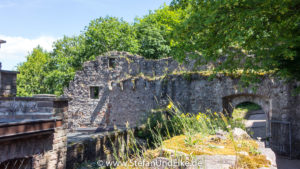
112, 63
94, 92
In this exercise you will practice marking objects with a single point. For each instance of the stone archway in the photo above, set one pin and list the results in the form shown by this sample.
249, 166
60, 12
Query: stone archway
231, 101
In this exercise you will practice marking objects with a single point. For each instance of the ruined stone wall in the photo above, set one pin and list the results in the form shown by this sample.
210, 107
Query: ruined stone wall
195, 95
132, 86
136, 85
39, 136
90, 112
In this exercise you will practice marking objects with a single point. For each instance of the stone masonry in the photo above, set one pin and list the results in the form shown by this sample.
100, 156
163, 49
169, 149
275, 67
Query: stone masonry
120, 89
8, 85
33, 132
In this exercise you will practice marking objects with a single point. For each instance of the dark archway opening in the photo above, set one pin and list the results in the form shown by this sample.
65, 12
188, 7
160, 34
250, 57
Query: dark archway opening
254, 117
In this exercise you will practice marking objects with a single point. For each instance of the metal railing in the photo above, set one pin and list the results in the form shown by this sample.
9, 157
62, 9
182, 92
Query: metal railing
18, 163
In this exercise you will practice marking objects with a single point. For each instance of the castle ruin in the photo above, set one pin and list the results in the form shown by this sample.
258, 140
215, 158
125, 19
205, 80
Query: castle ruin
120, 89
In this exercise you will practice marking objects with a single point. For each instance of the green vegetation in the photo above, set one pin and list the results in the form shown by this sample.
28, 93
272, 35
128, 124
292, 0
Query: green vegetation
241, 110
108, 34
169, 130
172, 122
194, 134
253, 35
148, 36
235, 36
33, 73
155, 32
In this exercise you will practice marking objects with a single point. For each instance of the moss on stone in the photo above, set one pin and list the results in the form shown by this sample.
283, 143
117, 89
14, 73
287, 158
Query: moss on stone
205, 146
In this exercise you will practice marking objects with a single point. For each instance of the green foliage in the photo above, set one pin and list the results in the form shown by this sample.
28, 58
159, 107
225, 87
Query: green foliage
249, 106
155, 32
68, 55
33, 72
234, 35
187, 76
153, 43
166, 19
53, 72
238, 34
254, 151
108, 34
70, 52
171, 122
100, 36
189, 141
241, 110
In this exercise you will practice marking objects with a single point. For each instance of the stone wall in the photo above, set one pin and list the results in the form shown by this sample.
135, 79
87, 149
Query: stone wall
96, 146
38, 134
55, 155
29, 107
46, 150
92, 112
8, 86
132, 86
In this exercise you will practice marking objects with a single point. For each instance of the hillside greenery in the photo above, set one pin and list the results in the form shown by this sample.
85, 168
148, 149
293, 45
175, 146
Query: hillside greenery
233, 35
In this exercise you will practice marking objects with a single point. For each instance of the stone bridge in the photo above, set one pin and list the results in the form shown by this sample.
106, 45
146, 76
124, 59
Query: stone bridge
119, 89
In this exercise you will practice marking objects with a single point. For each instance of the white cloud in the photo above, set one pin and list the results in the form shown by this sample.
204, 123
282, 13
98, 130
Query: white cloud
15, 49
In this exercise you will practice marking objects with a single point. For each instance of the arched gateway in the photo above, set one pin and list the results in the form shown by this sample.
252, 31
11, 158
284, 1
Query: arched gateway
231, 102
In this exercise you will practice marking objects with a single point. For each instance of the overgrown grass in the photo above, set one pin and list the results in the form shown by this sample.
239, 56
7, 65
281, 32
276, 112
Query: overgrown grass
164, 124
192, 134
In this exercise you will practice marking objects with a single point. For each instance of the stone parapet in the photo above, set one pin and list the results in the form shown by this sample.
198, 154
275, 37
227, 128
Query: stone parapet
34, 131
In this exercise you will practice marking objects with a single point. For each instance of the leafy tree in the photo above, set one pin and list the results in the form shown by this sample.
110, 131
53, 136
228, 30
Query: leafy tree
70, 52
152, 43
68, 55
45, 72
154, 32
165, 18
33, 72
251, 35
108, 34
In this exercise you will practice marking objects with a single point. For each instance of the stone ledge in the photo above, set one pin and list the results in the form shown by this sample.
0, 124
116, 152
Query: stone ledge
33, 99
90, 147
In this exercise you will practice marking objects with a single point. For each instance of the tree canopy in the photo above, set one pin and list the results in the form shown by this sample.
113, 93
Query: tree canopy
107, 34
238, 34
253, 36
33, 73
57, 68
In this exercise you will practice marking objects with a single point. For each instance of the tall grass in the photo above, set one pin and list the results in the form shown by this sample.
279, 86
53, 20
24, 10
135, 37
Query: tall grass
167, 123
170, 122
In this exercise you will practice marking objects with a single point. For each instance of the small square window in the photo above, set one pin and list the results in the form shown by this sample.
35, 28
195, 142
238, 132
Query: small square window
112, 62
94, 92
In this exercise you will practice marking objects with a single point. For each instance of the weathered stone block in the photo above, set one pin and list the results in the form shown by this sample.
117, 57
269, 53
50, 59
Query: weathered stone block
45, 104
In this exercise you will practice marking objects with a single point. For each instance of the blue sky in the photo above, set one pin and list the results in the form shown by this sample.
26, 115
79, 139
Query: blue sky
26, 23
